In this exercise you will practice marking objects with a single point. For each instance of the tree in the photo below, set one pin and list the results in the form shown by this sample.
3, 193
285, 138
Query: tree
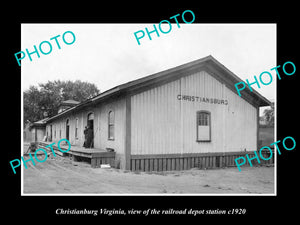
269, 115
45, 98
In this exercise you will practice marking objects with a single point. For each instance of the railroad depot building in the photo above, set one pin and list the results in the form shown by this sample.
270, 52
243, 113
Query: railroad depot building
184, 117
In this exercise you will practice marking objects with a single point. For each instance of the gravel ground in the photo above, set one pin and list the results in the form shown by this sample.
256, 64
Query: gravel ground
63, 176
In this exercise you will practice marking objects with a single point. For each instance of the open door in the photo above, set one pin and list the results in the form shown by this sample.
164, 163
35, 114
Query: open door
51, 132
90, 124
67, 129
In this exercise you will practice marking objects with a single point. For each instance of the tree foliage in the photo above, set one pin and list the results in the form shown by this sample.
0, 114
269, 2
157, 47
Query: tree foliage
269, 115
44, 99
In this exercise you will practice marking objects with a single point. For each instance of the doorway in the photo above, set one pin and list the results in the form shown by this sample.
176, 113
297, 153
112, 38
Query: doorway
50, 132
90, 124
67, 129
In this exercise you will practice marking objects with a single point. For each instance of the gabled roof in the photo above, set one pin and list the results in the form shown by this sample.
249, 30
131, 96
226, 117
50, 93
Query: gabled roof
69, 102
39, 123
208, 63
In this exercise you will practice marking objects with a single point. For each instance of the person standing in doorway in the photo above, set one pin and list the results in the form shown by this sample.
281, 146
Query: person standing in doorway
90, 134
90, 137
85, 137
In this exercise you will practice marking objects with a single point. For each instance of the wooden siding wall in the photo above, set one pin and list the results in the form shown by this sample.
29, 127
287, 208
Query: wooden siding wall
100, 127
118, 144
37, 134
162, 124
146, 163
240, 124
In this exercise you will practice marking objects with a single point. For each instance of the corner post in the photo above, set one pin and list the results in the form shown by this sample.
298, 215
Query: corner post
128, 132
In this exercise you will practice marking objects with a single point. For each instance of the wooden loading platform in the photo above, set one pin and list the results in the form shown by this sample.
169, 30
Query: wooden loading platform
95, 157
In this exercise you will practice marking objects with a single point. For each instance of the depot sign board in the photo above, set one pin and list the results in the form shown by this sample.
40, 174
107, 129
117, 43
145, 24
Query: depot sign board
193, 98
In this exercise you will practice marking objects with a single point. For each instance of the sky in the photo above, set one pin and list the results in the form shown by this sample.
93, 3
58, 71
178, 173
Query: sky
109, 55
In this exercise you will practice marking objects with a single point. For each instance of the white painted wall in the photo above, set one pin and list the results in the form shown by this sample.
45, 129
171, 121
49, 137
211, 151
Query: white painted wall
162, 124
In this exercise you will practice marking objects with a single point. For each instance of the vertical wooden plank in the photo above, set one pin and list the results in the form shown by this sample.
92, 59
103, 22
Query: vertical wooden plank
151, 168
198, 161
114, 162
177, 164
93, 162
111, 162
142, 165
195, 161
74, 157
160, 164
155, 164
146, 165
189, 163
164, 167
127, 132
173, 167
234, 157
185, 162
169, 164
181, 163
192, 161
133, 165
137, 164
247, 162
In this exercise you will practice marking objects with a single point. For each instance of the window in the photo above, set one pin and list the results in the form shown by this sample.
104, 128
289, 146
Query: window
111, 125
203, 126
76, 128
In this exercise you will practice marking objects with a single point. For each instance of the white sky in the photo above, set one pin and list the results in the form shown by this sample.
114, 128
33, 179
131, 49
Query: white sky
108, 54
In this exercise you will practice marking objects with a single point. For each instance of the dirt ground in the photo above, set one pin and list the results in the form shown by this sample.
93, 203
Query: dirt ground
64, 176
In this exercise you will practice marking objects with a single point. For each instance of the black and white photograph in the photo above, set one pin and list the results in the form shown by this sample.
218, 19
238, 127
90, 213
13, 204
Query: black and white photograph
142, 109
156, 113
